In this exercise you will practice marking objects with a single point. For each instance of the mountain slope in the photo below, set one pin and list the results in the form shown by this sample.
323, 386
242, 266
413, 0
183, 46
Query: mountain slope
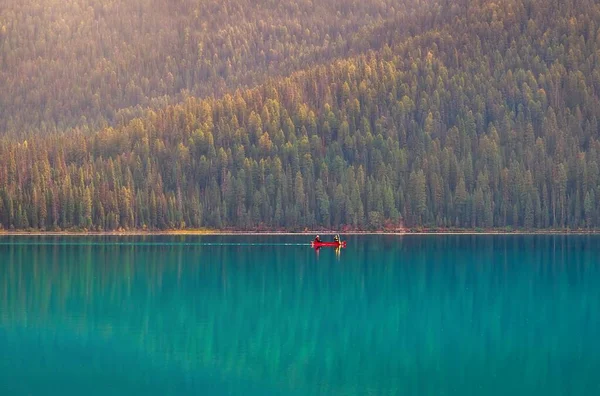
489, 119
89, 63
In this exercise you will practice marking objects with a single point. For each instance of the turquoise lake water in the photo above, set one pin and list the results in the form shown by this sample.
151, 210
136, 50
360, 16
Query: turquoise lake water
232, 315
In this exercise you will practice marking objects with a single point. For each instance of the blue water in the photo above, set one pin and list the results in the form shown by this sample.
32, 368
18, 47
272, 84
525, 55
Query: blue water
267, 315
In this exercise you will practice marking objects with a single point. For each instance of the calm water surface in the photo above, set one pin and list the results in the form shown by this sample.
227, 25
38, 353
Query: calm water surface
414, 315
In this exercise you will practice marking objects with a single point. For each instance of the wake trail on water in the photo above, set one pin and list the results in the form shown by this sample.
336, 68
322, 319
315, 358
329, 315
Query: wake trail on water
232, 244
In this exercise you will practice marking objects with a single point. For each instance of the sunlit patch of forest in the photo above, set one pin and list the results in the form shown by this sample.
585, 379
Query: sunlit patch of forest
91, 63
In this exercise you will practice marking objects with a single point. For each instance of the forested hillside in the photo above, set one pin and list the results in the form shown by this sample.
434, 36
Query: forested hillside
486, 117
90, 63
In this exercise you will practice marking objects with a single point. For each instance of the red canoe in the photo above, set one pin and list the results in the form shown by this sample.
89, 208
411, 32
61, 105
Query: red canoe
328, 244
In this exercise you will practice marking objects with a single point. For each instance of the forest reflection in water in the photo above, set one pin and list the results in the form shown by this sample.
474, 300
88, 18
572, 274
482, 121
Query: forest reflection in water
417, 314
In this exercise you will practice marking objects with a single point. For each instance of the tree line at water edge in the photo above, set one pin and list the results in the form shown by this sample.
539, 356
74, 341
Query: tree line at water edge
489, 122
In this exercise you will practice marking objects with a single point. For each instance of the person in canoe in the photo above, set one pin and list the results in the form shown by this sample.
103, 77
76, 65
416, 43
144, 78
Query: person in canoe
318, 239
336, 238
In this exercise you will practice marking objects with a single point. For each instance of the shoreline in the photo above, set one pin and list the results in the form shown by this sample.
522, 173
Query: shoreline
274, 233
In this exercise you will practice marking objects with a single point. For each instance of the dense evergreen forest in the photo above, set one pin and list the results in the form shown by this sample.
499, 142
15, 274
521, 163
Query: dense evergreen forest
472, 114
90, 63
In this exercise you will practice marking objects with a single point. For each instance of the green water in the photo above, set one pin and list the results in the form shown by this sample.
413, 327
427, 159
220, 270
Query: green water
414, 315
